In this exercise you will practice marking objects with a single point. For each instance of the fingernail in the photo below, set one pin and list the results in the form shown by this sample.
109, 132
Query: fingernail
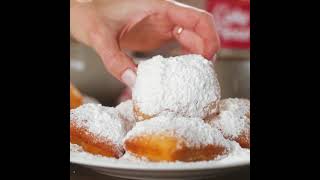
129, 78
179, 30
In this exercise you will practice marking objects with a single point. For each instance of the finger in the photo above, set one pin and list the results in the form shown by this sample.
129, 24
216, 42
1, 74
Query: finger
189, 40
200, 22
116, 62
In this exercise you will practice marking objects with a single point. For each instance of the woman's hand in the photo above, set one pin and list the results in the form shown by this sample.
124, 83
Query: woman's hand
111, 25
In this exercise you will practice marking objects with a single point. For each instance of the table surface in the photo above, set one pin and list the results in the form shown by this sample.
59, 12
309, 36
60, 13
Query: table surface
81, 173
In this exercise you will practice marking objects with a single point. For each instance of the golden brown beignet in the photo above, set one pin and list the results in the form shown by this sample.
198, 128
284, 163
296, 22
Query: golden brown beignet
233, 120
175, 139
97, 129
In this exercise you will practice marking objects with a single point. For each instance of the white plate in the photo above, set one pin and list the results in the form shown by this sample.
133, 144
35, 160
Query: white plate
131, 168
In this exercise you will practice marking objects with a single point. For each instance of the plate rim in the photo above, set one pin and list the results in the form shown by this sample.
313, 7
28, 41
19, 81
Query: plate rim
132, 166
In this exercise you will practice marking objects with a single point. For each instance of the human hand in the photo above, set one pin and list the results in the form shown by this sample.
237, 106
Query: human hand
109, 26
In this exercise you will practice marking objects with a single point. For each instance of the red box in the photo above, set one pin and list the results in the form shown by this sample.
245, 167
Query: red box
232, 19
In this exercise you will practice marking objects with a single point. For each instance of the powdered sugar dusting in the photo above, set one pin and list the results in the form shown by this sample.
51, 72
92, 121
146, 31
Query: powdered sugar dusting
75, 148
232, 118
193, 131
126, 111
184, 84
103, 122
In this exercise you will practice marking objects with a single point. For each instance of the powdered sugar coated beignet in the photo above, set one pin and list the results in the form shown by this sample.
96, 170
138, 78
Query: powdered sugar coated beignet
175, 139
98, 129
233, 120
186, 85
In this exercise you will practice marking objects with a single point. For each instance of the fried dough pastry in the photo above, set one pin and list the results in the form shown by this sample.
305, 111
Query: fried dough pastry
175, 139
233, 120
97, 129
186, 85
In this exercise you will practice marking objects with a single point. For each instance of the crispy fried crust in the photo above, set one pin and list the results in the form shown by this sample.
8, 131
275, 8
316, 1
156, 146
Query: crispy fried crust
168, 148
244, 140
140, 116
92, 144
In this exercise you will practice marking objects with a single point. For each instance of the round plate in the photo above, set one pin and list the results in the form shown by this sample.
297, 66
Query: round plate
131, 168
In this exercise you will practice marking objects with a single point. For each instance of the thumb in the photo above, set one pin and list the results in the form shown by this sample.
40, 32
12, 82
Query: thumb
119, 64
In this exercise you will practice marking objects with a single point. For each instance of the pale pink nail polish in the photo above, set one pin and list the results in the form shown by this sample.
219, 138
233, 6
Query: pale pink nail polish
129, 78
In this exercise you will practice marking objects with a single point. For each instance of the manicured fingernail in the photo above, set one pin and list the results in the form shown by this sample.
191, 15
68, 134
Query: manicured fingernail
179, 30
129, 78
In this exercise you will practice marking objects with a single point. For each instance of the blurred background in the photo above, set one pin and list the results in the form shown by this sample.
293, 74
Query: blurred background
232, 19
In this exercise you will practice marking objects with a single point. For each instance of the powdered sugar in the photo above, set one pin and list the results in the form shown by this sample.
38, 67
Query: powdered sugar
232, 118
103, 122
126, 111
184, 84
193, 131
75, 148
